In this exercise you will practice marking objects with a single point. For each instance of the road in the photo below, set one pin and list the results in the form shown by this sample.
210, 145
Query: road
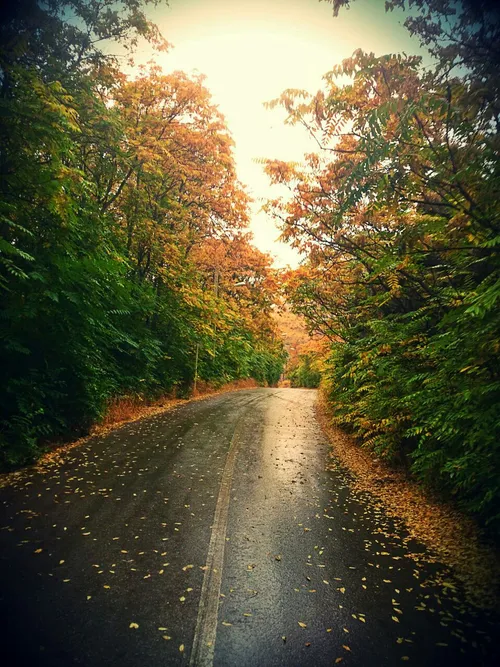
214, 535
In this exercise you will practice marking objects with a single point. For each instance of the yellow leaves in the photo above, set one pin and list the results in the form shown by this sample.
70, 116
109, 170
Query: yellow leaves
181, 648
302, 625
38, 551
395, 619
166, 637
393, 282
280, 171
226, 623
133, 625
187, 567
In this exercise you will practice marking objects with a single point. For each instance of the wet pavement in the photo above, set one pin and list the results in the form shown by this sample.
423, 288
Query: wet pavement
214, 534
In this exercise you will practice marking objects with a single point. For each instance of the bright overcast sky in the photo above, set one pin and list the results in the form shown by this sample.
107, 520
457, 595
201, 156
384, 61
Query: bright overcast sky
250, 51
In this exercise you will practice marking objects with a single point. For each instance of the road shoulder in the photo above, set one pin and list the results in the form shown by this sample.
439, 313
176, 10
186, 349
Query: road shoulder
451, 537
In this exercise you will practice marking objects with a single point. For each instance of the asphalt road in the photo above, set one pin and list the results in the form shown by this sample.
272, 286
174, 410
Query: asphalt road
213, 534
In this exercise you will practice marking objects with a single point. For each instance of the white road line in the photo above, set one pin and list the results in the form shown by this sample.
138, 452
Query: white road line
202, 653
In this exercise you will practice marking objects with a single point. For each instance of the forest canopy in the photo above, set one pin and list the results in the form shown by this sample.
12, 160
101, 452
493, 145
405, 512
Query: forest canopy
398, 213
125, 256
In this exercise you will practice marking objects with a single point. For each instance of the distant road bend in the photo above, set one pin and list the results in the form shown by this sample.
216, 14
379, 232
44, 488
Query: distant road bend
214, 534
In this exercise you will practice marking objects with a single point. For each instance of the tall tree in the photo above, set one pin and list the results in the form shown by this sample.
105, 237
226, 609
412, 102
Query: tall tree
399, 214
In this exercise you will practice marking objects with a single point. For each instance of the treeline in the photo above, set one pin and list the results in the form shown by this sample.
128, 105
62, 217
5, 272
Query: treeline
306, 372
124, 251
399, 214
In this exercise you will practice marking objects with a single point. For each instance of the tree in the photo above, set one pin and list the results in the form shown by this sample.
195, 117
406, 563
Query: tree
399, 215
114, 191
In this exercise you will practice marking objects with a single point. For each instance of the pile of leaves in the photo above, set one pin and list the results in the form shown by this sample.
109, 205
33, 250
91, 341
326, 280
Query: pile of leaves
399, 214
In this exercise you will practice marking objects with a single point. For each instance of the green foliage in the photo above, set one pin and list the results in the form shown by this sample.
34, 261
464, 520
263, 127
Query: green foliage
111, 193
307, 372
400, 217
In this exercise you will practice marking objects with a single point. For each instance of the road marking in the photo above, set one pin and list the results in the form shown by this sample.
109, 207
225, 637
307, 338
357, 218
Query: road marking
202, 653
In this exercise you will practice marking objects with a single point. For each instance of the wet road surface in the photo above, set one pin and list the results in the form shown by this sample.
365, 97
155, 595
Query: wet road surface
214, 535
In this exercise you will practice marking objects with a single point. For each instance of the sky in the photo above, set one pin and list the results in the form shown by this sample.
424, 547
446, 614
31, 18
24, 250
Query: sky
252, 50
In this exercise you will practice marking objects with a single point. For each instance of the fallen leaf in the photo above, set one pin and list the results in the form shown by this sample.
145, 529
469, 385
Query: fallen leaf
302, 625
181, 648
133, 625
